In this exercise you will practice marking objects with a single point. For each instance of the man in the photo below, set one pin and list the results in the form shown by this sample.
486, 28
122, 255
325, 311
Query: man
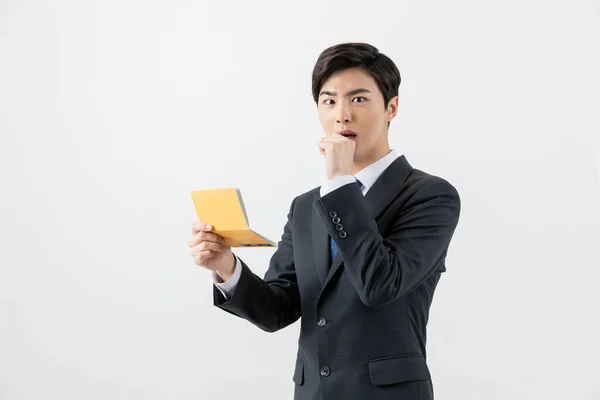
360, 256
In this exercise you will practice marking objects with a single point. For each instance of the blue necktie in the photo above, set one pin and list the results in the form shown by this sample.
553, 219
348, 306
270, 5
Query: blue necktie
333, 245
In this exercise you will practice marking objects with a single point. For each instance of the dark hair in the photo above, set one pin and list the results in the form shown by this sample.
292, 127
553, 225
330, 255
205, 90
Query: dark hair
362, 55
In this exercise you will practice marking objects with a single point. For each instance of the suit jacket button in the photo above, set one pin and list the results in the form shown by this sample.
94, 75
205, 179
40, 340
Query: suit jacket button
332, 214
336, 220
339, 227
325, 371
342, 234
322, 322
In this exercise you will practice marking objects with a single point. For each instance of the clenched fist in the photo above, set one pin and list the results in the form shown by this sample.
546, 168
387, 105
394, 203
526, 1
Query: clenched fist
210, 251
339, 155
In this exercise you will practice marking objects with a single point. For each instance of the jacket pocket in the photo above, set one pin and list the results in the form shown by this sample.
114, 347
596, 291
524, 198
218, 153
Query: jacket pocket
397, 369
299, 373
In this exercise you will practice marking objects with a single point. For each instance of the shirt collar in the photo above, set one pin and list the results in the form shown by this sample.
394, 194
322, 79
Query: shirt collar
368, 175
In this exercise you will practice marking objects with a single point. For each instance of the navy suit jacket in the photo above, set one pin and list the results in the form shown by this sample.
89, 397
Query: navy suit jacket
364, 316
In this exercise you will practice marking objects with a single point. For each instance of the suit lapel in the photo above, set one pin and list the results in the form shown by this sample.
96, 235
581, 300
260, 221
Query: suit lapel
379, 196
387, 186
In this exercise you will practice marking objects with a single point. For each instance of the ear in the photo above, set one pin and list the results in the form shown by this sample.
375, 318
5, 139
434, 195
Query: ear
392, 109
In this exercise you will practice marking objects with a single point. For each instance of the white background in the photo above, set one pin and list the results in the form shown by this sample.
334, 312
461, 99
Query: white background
113, 111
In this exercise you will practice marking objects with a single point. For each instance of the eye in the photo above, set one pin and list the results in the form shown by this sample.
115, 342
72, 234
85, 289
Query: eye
359, 99
328, 102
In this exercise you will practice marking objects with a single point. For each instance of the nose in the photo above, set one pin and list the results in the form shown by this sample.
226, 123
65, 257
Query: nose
343, 114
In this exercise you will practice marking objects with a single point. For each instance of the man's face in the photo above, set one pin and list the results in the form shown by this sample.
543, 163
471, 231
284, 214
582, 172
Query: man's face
351, 104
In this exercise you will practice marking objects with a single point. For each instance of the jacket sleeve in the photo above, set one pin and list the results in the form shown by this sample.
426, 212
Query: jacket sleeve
385, 269
271, 303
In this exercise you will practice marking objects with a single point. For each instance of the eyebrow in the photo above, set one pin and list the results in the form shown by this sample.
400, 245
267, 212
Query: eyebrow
350, 93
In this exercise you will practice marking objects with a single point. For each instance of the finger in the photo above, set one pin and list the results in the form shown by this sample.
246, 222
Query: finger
196, 227
202, 257
216, 247
326, 147
335, 139
194, 240
205, 236
326, 144
200, 226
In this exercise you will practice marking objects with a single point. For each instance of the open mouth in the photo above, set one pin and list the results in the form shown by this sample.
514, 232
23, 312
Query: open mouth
348, 134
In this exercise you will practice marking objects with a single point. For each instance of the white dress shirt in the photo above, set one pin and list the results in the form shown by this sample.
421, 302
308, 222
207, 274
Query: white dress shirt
367, 176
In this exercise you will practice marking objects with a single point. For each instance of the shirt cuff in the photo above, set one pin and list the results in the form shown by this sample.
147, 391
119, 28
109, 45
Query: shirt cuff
228, 287
336, 183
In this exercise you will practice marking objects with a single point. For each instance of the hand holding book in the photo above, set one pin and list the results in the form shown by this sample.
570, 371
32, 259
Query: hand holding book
224, 210
210, 251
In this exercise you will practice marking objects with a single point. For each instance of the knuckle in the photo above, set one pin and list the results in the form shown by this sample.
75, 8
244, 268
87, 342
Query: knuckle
200, 258
201, 237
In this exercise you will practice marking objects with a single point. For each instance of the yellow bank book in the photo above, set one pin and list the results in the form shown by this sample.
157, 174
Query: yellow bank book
224, 210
